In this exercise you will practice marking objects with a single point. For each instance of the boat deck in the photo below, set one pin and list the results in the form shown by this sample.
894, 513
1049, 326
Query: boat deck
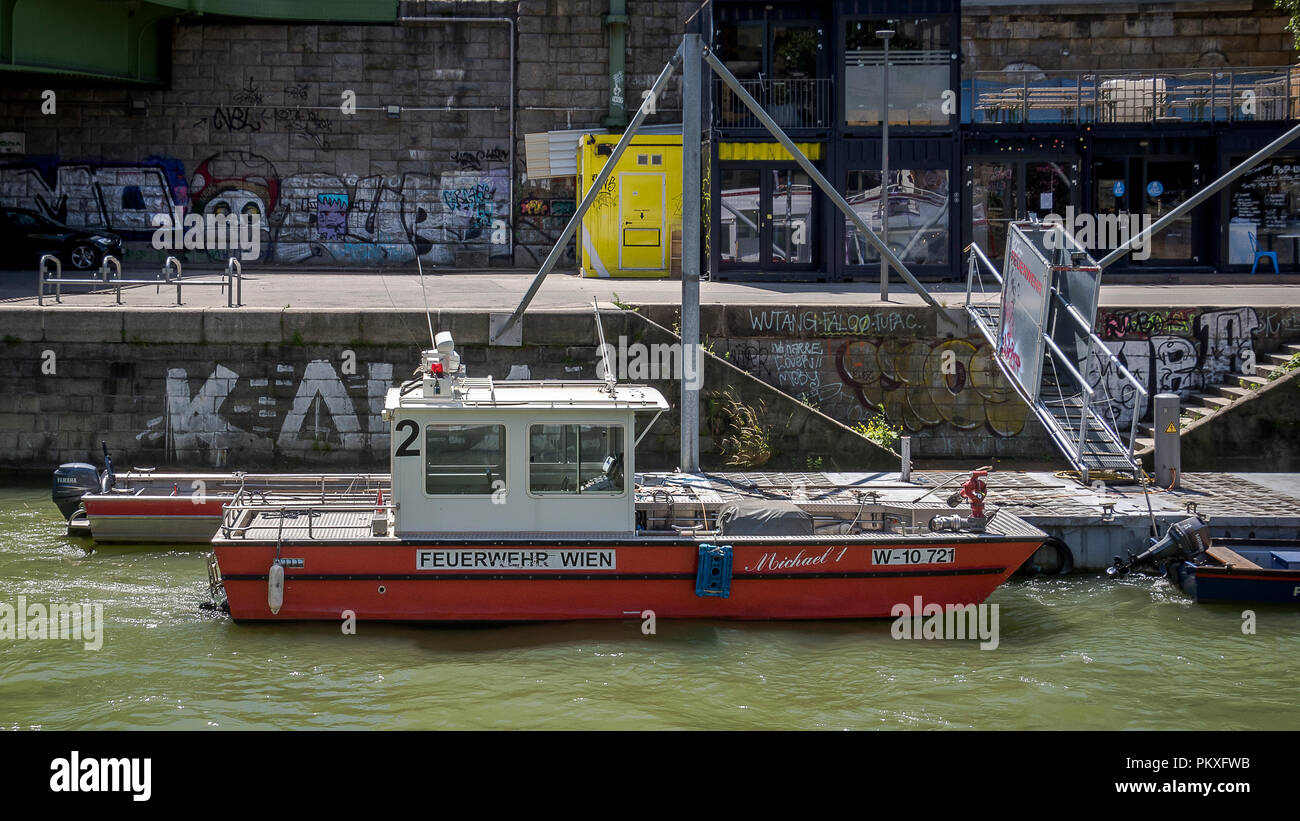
670, 506
1097, 522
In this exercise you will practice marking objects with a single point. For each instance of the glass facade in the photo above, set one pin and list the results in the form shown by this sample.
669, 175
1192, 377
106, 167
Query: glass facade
919, 62
767, 216
918, 215
739, 222
1104, 151
993, 204
1264, 213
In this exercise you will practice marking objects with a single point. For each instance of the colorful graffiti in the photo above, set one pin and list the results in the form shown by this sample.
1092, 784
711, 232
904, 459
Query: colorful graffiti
851, 364
1214, 344
331, 216
920, 384
305, 217
1142, 324
534, 207
121, 197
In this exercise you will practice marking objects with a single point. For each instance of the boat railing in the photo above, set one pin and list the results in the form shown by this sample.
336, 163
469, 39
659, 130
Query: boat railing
247, 511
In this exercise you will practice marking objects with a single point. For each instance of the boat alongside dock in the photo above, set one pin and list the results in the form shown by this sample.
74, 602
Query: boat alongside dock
511, 501
1242, 570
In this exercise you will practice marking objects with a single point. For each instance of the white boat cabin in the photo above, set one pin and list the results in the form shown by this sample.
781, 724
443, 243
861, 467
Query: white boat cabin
512, 457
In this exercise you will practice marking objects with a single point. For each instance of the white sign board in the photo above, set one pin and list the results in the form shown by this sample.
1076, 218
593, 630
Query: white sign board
1025, 279
488, 559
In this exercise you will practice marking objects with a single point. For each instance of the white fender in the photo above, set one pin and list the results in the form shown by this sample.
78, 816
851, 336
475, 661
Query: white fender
275, 588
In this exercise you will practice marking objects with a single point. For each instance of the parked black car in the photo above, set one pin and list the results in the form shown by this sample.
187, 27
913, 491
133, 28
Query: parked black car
26, 235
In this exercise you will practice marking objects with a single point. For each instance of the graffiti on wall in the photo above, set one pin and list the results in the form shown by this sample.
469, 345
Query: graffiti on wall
832, 322
327, 411
477, 160
1173, 351
112, 196
534, 207
851, 364
305, 217
379, 219
920, 384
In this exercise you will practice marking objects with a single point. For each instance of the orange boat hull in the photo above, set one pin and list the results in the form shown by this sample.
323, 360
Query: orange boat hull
769, 580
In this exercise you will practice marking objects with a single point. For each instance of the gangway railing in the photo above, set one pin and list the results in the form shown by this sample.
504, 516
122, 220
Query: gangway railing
1082, 419
231, 280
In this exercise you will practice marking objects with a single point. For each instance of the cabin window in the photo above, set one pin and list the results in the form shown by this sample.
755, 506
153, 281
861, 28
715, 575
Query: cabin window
576, 459
464, 459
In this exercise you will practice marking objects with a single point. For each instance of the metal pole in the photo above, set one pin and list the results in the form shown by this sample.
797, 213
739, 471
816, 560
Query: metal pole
692, 360
1203, 195
829, 190
884, 166
574, 221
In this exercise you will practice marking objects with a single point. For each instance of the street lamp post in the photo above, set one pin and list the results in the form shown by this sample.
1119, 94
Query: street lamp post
884, 34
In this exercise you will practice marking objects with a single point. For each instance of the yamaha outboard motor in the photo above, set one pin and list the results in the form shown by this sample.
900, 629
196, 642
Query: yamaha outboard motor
75, 479
72, 481
1183, 541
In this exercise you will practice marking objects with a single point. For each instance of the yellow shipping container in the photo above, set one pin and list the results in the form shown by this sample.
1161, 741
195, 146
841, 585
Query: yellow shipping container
634, 227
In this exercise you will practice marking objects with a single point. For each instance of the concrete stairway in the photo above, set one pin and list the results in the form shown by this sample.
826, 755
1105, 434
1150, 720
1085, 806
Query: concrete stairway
1236, 386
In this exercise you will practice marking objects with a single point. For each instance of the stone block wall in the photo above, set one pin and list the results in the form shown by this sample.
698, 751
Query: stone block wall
287, 388
248, 389
291, 123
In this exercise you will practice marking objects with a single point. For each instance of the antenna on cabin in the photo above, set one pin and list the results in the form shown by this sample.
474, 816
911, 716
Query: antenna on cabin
610, 378
427, 316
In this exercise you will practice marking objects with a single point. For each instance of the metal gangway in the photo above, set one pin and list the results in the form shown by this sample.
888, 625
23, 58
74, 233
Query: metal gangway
50, 274
1041, 331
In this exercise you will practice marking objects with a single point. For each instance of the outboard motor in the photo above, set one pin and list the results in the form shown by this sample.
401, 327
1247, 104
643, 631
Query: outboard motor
75, 479
72, 481
1183, 541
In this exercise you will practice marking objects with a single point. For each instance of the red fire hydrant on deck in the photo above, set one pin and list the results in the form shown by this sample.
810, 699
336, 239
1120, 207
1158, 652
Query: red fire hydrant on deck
974, 492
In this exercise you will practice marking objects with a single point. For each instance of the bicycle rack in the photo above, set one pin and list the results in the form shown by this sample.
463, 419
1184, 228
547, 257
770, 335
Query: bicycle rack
235, 275
103, 272
166, 272
58, 277
231, 279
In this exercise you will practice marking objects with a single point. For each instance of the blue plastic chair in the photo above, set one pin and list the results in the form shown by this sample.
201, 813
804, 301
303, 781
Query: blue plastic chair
1270, 255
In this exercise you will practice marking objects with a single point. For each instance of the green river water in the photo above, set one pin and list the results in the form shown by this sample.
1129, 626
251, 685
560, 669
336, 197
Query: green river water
1079, 652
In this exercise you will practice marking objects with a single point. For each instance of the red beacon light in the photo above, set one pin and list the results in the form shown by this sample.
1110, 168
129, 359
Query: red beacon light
435, 369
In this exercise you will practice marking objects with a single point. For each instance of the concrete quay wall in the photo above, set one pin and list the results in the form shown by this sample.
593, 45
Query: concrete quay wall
281, 388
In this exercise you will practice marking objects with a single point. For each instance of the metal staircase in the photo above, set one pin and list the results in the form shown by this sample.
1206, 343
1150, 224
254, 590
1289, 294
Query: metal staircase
1081, 419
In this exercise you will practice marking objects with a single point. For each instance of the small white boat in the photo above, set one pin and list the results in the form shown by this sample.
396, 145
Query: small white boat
145, 506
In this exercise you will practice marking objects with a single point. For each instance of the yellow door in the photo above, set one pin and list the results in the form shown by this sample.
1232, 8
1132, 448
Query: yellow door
641, 207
